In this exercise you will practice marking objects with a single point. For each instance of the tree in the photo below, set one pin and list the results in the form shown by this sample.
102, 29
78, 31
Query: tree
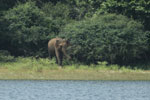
136, 9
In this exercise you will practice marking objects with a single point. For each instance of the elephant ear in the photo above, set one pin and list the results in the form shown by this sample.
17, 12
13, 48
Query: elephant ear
58, 44
68, 42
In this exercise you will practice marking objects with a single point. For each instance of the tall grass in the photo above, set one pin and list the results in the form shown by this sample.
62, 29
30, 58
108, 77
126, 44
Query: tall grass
37, 65
29, 63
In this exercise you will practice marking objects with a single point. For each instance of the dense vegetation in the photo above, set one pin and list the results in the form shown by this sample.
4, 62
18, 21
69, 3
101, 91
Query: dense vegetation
112, 38
100, 30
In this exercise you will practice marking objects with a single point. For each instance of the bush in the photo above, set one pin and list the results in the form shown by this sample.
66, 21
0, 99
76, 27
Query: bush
59, 14
112, 38
5, 56
28, 30
136, 9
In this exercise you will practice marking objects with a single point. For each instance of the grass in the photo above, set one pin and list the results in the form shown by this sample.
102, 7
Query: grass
44, 69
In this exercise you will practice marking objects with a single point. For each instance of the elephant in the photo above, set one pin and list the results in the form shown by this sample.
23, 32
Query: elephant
57, 47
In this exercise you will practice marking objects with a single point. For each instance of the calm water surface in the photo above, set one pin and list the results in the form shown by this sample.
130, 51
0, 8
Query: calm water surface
74, 90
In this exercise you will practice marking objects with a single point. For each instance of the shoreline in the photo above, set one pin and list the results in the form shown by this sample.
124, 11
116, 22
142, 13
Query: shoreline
77, 74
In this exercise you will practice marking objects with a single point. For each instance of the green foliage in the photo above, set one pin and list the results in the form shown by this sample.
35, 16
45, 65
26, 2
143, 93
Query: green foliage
81, 9
5, 56
6, 4
137, 9
112, 38
44, 64
28, 29
29, 63
59, 14
71, 9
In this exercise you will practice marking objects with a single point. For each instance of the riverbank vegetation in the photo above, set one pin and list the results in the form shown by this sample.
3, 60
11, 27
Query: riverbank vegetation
44, 69
116, 32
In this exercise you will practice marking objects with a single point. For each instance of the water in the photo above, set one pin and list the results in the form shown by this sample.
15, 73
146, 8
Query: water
74, 90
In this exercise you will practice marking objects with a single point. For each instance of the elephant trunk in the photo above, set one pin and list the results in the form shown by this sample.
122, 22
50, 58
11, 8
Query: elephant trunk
64, 52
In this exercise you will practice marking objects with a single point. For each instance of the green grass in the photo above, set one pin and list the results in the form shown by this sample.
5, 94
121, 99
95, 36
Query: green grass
45, 69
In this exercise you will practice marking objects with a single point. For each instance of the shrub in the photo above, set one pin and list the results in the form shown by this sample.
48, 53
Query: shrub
59, 14
5, 56
136, 9
28, 29
112, 38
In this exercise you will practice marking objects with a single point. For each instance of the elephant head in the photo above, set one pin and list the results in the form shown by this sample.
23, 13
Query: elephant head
62, 46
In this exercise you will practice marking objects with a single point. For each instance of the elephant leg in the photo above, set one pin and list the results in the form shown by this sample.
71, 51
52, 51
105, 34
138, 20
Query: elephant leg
61, 58
58, 58
50, 56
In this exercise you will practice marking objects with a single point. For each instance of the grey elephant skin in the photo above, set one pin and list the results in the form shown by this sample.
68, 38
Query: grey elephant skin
57, 48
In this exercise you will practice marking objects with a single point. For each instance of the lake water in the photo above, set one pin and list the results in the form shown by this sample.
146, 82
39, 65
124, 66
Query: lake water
74, 90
